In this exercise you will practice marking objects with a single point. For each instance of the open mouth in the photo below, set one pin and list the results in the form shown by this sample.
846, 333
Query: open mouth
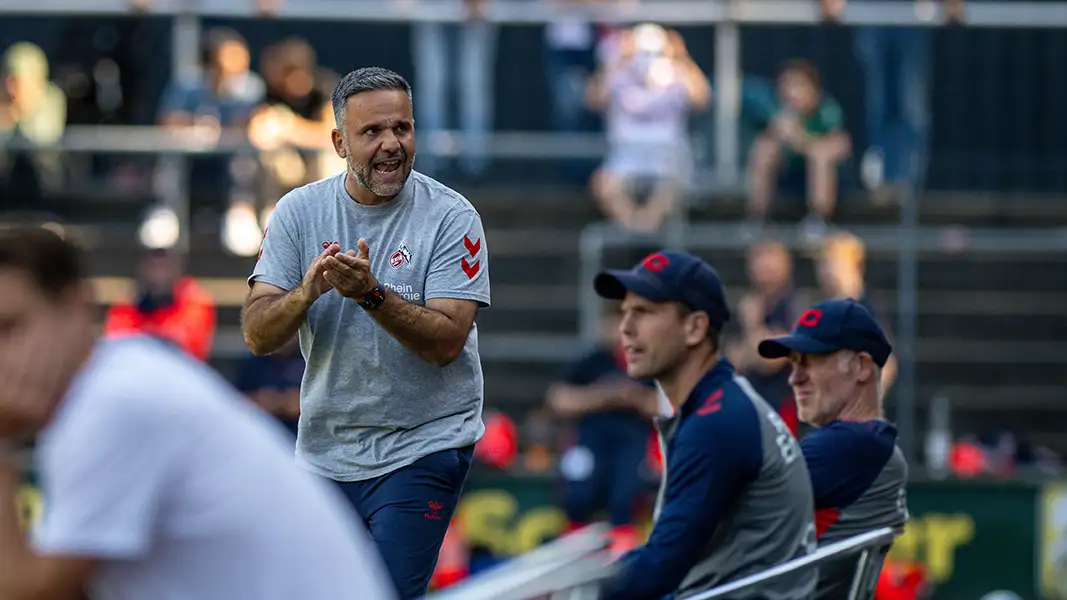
388, 166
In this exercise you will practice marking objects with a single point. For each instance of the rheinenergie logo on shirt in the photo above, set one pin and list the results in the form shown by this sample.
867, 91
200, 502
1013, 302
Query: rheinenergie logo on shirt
406, 292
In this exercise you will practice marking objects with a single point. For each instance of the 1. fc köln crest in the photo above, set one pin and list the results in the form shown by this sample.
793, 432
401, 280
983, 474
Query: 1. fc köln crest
401, 257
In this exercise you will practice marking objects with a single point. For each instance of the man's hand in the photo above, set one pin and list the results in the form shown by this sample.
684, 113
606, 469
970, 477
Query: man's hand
789, 131
349, 273
33, 376
315, 283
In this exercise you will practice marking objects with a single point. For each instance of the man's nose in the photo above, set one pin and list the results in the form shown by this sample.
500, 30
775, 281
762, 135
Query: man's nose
390, 143
796, 375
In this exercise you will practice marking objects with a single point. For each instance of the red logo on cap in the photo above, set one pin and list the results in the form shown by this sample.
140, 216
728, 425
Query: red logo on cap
810, 318
655, 262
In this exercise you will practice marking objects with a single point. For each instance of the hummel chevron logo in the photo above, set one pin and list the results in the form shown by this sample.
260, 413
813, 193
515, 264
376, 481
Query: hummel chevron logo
472, 247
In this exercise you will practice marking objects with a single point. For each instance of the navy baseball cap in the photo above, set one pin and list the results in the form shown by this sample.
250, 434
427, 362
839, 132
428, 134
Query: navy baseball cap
669, 276
830, 326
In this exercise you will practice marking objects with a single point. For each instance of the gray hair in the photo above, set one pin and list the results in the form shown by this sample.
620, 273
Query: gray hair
844, 365
367, 79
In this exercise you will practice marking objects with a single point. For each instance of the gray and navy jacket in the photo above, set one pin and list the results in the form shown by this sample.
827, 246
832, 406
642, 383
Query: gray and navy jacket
858, 475
736, 500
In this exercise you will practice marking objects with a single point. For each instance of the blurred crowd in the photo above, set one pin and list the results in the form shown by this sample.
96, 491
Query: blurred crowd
638, 85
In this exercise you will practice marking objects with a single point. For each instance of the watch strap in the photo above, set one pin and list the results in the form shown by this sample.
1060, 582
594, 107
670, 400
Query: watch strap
373, 299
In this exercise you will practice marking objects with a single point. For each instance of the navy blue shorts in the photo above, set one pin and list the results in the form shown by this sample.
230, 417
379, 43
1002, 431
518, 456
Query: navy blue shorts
407, 513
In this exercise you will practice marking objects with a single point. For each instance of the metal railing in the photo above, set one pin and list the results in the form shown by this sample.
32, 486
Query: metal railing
558, 571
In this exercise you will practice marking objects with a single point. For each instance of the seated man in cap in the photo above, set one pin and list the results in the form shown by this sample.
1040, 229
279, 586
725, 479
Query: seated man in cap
858, 474
736, 497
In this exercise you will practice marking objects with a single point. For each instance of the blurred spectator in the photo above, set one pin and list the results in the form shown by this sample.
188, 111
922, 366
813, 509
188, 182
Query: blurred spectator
841, 265
800, 145
273, 382
499, 445
768, 309
464, 56
603, 468
897, 62
570, 60
167, 305
33, 111
223, 97
647, 89
292, 126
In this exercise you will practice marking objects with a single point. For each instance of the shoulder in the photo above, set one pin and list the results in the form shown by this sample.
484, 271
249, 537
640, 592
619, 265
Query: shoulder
869, 443
306, 198
724, 411
124, 389
439, 200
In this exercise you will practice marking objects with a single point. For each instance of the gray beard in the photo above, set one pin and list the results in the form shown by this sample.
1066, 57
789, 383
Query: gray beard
363, 176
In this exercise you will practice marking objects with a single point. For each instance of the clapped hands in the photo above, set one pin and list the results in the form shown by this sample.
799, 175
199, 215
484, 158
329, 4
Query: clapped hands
349, 272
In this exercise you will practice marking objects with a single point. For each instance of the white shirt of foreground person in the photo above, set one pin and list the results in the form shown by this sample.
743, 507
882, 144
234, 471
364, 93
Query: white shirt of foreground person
185, 491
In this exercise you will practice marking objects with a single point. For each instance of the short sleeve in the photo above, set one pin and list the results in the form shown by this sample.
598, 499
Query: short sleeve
831, 115
279, 263
459, 268
104, 479
177, 97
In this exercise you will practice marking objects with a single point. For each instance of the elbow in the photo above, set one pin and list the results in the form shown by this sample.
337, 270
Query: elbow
446, 354
255, 344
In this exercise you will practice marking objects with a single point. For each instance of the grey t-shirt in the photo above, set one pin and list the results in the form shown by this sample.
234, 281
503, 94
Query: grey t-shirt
368, 405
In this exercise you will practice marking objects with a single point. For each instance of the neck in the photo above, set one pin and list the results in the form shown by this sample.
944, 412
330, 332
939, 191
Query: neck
866, 408
680, 384
361, 194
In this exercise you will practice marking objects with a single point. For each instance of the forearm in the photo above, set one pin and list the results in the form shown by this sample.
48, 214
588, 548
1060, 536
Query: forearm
14, 551
428, 333
271, 321
571, 402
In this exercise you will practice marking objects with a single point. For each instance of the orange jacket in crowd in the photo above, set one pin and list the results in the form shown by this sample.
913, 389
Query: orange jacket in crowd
189, 322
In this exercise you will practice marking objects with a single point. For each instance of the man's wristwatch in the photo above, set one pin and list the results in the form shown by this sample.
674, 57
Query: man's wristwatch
373, 299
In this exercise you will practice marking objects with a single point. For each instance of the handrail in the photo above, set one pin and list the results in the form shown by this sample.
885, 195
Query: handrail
596, 237
545, 576
497, 583
844, 548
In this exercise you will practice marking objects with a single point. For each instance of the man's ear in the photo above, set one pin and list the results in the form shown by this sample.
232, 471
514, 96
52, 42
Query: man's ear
697, 327
338, 143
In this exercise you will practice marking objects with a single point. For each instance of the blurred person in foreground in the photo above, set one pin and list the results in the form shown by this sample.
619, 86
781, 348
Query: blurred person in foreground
292, 126
33, 110
272, 382
221, 99
736, 496
897, 64
840, 267
770, 308
647, 91
858, 473
392, 399
800, 146
166, 304
603, 468
159, 477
